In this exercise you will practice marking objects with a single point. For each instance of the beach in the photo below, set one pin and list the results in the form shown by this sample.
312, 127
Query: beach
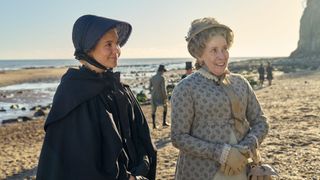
292, 146
30, 75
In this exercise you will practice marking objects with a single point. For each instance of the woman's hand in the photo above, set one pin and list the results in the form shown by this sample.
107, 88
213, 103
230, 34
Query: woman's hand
236, 161
226, 170
132, 178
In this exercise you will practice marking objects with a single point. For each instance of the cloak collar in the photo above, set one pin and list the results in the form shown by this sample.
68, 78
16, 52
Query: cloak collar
76, 87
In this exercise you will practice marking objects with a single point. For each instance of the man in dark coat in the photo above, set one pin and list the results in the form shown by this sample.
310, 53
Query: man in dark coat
261, 74
269, 70
188, 69
96, 129
158, 95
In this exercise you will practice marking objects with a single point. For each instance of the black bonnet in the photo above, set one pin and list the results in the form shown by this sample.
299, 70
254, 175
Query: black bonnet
88, 29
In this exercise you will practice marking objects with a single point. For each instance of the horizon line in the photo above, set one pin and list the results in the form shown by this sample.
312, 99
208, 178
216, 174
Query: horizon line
251, 57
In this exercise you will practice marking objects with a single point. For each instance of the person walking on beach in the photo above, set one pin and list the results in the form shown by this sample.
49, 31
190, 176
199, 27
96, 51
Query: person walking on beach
261, 74
158, 95
96, 129
216, 117
269, 70
188, 69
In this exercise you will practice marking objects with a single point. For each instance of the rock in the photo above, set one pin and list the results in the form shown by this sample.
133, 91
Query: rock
24, 118
39, 113
44, 108
35, 108
49, 106
7, 121
2, 109
14, 106
146, 103
141, 97
3, 95
309, 37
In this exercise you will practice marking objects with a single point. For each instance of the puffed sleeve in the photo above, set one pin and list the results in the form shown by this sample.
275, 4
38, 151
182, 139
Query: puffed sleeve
258, 122
182, 117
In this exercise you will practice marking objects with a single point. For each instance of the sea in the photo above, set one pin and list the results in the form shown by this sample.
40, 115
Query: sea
22, 96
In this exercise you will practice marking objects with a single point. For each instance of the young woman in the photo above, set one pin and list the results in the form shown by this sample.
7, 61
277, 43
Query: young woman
96, 129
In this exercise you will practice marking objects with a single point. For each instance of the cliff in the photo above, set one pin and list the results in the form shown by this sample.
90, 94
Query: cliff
309, 37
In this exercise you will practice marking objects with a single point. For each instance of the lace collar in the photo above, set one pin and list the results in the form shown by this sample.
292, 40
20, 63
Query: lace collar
203, 71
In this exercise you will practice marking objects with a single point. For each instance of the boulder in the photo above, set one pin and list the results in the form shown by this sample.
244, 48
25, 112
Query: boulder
309, 34
39, 113
14, 106
7, 121
24, 118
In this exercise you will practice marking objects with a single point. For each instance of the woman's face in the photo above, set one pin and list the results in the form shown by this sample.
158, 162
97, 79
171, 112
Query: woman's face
107, 50
215, 56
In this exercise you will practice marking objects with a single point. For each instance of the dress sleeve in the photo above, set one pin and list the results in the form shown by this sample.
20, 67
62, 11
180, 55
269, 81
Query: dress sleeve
258, 121
182, 117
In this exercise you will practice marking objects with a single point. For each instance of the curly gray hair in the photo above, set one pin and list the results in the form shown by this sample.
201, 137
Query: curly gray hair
201, 31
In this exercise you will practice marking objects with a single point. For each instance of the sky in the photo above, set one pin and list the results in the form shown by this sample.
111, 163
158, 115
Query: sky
41, 29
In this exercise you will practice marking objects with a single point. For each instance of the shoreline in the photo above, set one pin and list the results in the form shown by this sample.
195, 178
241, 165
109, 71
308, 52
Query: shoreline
137, 81
30, 75
39, 74
34, 74
35, 88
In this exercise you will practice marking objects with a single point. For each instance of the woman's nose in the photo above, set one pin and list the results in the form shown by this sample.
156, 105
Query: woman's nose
221, 55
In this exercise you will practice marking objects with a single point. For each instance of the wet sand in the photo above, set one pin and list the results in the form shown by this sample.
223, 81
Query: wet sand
30, 75
292, 146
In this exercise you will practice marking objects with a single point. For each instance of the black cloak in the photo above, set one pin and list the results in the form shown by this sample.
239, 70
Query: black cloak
95, 130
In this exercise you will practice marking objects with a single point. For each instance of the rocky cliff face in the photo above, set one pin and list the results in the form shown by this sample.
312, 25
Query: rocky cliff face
309, 40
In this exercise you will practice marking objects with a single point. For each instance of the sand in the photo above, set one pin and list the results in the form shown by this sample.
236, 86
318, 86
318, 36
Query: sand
292, 146
30, 75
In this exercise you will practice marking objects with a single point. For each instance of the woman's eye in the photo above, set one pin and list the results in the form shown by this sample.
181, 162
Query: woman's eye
225, 50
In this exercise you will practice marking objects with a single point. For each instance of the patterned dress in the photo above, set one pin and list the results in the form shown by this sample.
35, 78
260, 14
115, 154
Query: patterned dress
202, 122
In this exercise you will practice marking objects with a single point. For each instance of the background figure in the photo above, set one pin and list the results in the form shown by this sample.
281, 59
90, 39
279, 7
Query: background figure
96, 128
269, 70
188, 69
261, 74
216, 117
158, 95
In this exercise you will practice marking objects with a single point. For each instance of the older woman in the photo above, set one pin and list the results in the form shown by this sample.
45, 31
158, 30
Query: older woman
216, 117
96, 129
